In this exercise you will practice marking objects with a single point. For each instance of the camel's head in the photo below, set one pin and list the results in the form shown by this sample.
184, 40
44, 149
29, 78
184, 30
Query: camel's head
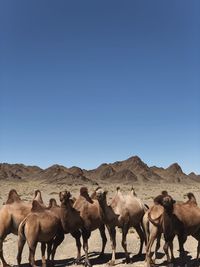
164, 193
168, 202
84, 191
101, 195
64, 196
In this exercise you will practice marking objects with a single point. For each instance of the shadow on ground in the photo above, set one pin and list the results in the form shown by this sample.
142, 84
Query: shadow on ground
95, 259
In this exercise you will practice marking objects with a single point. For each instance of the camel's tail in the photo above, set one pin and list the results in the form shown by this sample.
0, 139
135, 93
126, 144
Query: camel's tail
154, 221
21, 232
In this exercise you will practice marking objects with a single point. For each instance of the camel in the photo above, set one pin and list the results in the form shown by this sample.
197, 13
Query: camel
173, 218
40, 225
124, 212
189, 214
162, 220
12, 214
155, 231
92, 217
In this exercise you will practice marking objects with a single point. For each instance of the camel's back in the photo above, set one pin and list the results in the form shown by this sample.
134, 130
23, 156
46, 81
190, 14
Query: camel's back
14, 214
90, 212
188, 214
135, 207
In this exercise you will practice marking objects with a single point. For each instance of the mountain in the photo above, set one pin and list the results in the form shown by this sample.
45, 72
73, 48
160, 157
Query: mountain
54, 174
127, 171
131, 170
18, 171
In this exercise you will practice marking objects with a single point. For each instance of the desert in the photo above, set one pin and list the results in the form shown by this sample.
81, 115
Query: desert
147, 181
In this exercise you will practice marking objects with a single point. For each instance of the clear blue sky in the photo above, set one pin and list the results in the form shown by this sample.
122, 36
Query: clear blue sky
87, 82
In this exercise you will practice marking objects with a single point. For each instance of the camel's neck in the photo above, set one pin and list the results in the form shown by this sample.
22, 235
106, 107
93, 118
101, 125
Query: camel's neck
105, 209
67, 207
87, 197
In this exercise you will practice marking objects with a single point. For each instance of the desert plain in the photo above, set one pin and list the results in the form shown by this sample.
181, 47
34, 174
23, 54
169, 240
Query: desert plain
145, 189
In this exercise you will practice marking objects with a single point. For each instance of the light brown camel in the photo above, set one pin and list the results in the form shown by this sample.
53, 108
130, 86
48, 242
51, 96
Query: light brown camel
162, 220
125, 211
12, 214
156, 210
92, 217
40, 225
182, 219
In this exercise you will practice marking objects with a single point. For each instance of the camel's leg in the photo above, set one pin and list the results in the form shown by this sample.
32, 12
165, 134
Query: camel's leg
112, 233
43, 249
171, 250
166, 250
198, 249
32, 249
103, 237
181, 239
21, 243
49, 250
56, 242
141, 236
145, 228
153, 235
157, 244
2, 237
86, 235
124, 244
77, 236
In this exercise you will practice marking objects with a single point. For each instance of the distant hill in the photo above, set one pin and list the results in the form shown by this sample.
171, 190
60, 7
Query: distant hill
127, 171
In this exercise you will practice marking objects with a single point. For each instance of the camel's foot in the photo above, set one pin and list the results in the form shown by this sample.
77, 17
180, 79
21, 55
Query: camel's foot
139, 254
77, 261
7, 265
111, 263
128, 260
87, 264
49, 264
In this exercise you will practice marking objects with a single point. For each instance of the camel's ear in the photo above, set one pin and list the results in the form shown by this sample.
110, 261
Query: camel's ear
173, 201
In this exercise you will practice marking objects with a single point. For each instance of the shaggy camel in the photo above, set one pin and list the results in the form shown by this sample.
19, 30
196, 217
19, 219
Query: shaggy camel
124, 212
12, 213
91, 216
41, 225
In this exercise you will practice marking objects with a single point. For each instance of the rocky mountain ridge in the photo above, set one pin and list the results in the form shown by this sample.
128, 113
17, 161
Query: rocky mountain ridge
127, 171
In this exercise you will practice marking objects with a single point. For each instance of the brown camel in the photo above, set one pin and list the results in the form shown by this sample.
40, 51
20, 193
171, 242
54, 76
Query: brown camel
189, 214
182, 219
124, 212
40, 225
161, 220
92, 217
12, 214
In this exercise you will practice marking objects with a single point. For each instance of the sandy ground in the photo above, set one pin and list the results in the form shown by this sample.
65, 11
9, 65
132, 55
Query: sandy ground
67, 250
